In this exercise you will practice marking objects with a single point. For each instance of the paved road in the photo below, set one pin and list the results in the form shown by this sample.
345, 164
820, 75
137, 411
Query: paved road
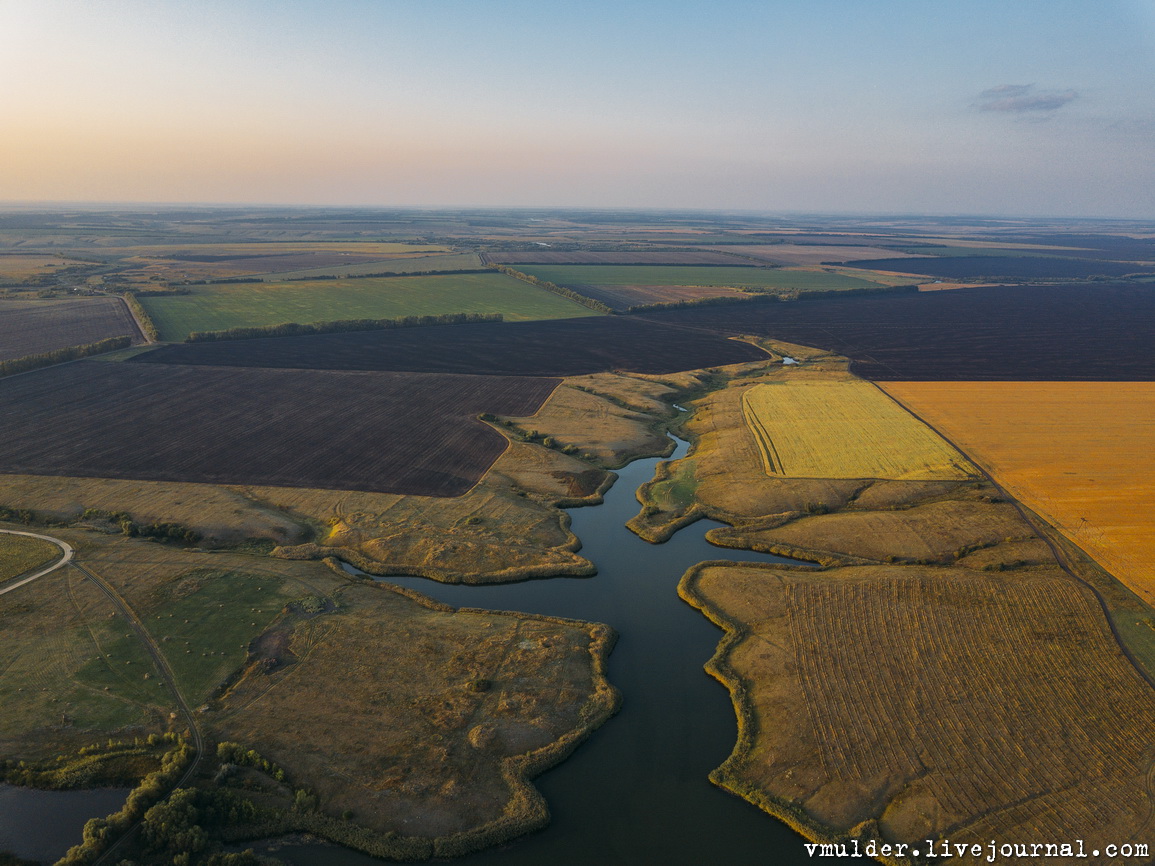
63, 545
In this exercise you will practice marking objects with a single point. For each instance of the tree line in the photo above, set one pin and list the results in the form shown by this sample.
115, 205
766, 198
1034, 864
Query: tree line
142, 317
293, 329
60, 356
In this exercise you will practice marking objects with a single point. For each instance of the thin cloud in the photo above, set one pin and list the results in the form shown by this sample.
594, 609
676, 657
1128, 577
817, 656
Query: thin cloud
1023, 99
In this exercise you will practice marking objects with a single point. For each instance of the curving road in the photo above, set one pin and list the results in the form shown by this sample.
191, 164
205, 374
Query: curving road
63, 545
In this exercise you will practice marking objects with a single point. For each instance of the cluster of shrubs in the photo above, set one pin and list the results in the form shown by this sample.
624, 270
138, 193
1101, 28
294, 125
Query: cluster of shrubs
72, 353
178, 825
96, 765
159, 531
293, 329
529, 435
554, 287
18, 515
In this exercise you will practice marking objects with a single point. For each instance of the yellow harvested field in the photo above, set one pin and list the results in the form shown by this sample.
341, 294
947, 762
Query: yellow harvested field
1077, 453
844, 428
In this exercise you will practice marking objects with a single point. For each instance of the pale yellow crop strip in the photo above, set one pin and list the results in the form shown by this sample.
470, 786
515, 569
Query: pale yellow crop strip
844, 428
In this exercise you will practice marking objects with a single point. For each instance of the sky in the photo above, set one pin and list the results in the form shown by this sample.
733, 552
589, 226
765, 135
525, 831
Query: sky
1028, 108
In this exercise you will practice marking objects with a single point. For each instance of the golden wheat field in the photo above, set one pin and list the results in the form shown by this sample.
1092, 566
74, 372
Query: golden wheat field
1078, 453
844, 428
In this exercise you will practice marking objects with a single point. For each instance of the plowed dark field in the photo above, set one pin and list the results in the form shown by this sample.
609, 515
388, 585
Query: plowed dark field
33, 327
566, 347
1089, 332
382, 432
1004, 267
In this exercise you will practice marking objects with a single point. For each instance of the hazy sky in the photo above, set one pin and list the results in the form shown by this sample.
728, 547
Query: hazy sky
1033, 107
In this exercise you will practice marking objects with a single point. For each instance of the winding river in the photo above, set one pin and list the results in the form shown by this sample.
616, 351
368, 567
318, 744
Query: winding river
637, 791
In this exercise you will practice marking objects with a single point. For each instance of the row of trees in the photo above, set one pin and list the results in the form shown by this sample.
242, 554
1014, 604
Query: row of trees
142, 317
293, 329
72, 353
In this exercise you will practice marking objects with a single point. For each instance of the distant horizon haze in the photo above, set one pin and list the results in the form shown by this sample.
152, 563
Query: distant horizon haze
1032, 109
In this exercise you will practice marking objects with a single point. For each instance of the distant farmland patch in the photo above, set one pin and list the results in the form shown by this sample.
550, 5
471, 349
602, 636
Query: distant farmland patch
234, 305
616, 257
753, 277
379, 432
419, 264
624, 297
20, 267
1095, 331
624, 286
1017, 267
811, 254
219, 261
568, 347
35, 327
844, 428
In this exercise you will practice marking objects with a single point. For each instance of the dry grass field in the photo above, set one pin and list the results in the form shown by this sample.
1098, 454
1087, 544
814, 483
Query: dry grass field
419, 719
436, 717
907, 703
1077, 453
938, 531
17, 267
844, 428
20, 554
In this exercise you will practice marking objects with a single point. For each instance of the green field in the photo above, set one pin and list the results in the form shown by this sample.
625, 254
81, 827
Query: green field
205, 634
233, 305
19, 553
576, 276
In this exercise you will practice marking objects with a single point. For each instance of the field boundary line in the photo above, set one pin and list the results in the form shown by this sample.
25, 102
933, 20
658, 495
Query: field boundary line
1054, 548
64, 546
148, 341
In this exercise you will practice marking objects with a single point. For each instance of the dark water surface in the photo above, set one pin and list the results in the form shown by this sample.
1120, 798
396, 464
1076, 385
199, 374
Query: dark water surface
637, 791
43, 825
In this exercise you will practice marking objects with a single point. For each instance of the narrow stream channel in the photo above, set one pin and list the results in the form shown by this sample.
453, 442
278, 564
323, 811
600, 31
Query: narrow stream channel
637, 791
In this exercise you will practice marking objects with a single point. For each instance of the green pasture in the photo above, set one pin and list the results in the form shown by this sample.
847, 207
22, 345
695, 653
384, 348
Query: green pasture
234, 305
205, 634
575, 276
